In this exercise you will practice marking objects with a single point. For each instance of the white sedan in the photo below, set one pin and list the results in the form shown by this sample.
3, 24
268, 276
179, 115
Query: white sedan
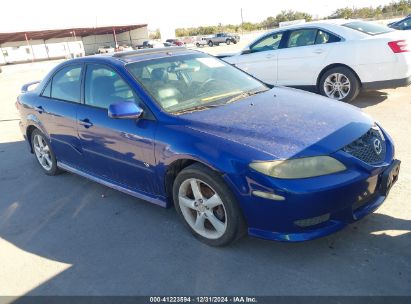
336, 58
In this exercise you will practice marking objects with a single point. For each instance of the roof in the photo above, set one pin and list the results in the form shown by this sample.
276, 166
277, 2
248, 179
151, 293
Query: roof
68, 32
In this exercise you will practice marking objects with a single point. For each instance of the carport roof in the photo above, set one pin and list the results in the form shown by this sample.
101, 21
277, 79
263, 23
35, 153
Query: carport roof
68, 32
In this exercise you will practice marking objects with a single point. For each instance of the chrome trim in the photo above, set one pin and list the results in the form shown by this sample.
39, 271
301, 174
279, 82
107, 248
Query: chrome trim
139, 195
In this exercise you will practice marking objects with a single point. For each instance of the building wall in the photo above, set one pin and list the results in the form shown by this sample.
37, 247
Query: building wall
67, 47
14, 52
134, 37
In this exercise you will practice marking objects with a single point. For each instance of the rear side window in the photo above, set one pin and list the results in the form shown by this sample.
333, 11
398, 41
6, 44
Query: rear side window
47, 90
325, 37
368, 27
66, 84
302, 37
268, 43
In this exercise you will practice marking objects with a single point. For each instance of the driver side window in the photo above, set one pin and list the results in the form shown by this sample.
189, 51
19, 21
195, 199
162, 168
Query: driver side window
268, 43
103, 87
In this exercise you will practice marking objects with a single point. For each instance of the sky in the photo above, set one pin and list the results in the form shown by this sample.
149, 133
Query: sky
25, 15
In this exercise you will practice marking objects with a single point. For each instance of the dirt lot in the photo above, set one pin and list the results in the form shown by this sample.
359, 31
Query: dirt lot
59, 236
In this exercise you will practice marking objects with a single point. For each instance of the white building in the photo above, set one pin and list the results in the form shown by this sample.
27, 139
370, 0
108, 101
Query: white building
67, 43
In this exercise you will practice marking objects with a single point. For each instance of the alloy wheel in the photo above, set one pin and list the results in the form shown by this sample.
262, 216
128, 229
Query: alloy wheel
337, 86
42, 151
202, 208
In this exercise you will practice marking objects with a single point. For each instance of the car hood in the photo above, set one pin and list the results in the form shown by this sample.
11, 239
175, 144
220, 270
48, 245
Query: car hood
283, 123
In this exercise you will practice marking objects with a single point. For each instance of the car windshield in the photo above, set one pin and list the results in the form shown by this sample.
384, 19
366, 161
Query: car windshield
368, 27
193, 82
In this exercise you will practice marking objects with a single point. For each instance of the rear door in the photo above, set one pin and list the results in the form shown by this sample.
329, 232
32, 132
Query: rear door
303, 56
57, 112
261, 62
118, 150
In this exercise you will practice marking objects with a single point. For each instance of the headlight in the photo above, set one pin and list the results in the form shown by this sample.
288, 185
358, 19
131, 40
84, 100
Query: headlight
299, 167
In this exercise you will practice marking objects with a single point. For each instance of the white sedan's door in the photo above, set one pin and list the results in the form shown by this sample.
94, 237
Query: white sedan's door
303, 56
261, 62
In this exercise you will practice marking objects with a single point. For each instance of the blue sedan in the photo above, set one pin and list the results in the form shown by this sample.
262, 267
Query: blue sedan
232, 154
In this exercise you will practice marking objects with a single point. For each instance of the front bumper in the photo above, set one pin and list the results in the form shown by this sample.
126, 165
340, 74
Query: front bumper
319, 206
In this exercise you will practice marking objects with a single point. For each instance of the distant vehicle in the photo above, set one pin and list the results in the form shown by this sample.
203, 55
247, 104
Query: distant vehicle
223, 38
105, 49
175, 42
124, 48
146, 44
403, 24
202, 42
233, 154
319, 56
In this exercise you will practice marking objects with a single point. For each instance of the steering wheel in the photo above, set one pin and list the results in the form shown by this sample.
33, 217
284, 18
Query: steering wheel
205, 84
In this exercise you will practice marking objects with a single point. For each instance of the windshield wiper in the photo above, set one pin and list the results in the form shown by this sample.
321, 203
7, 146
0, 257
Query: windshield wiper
197, 108
243, 95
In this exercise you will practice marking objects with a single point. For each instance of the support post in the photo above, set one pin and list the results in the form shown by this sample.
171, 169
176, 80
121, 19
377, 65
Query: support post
115, 37
47, 49
30, 46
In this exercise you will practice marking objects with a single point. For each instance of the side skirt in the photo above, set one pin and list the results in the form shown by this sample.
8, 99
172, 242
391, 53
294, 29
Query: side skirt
153, 200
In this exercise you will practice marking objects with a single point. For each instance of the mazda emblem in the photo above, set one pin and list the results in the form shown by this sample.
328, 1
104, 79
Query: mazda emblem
377, 146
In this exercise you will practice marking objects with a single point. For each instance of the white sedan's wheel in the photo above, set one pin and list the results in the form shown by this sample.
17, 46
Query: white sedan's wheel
202, 208
339, 83
337, 86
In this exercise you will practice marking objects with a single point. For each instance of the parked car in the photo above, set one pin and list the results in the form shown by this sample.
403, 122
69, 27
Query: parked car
203, 41
337, 58
403, 24
105, 49
149, 44
223, 38
232, 154
175, 42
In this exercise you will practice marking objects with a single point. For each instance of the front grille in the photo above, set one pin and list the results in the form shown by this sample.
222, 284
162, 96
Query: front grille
367, 149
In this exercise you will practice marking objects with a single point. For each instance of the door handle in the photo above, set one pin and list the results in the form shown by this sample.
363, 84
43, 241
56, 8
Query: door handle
39, 109
269, 56
86, 123
319, 51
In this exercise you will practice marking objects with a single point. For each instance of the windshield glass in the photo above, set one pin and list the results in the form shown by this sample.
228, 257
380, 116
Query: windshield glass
193, 82
368, 27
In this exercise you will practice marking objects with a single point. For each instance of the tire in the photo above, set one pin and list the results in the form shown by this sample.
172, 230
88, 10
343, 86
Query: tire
45, 158
222, 211
197, 44
210, 43
228, 41
342, 81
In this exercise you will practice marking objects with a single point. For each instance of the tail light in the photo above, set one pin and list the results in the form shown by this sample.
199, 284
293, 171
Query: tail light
400, 46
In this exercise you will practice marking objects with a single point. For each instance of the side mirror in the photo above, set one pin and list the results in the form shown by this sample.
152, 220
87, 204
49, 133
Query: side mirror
246, 51
124, 110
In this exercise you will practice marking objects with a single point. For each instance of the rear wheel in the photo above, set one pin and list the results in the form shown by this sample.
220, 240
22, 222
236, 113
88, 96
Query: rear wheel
228, 41
197, 44
339, 83
207, 207
44, 153
210, 43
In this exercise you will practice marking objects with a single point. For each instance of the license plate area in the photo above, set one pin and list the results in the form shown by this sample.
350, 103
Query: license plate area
389, 177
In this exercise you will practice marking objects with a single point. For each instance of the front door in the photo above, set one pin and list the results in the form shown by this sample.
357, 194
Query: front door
261, 62
118, 150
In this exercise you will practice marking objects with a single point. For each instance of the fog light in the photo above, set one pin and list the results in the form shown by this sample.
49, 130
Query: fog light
313, 221
270, 196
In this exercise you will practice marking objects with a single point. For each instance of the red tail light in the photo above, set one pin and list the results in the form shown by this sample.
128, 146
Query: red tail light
400, 46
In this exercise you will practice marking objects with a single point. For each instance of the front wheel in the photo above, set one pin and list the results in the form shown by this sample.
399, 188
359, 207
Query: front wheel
339, 83
210, 43
207, 207
44, 153
197, 44
228, 41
